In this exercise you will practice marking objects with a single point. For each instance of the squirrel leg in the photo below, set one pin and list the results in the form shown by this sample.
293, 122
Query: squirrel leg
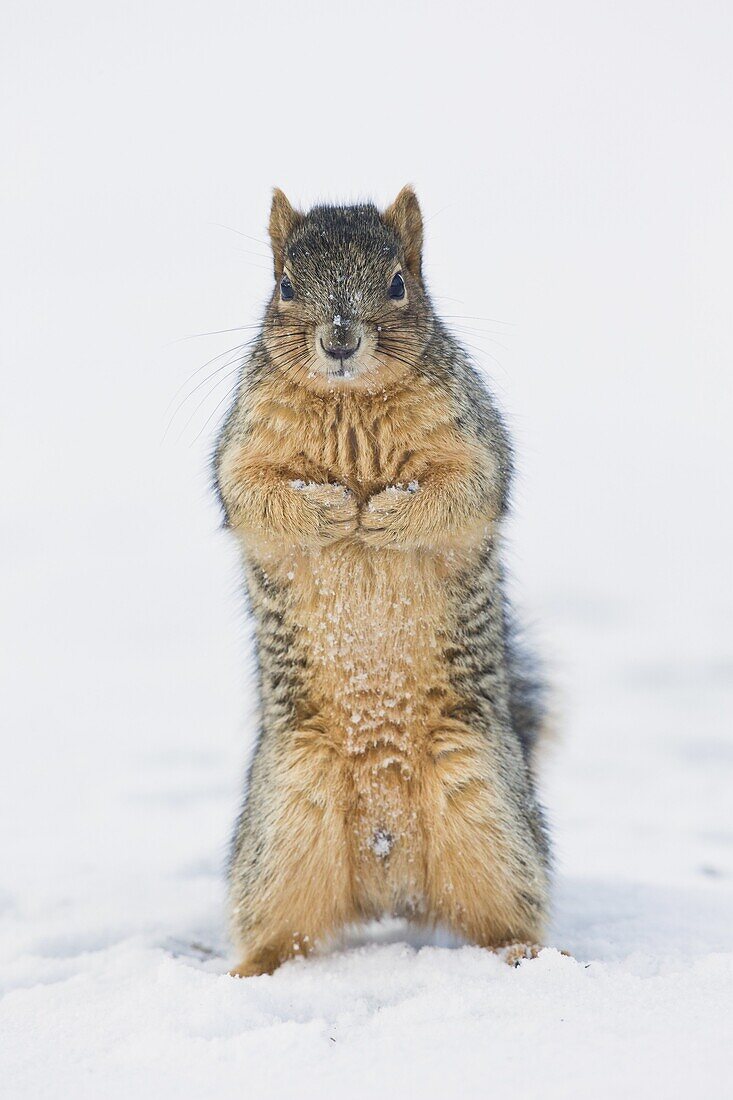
265, 504
291, 882
486, 863
451, 510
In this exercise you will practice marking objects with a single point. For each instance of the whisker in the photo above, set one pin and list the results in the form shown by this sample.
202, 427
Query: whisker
469, 317
227, 396
229, 351
207, 395
215, 332
239, 233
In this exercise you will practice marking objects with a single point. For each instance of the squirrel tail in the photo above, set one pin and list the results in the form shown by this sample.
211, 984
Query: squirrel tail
528, 694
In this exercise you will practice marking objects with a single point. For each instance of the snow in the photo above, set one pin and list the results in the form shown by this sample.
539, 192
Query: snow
399, 489
592, 215
382, 843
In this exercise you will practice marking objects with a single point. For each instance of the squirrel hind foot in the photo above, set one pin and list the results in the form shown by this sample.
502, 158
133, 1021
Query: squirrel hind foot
513, 954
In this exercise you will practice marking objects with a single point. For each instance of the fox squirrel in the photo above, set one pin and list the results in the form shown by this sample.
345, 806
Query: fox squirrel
364, 470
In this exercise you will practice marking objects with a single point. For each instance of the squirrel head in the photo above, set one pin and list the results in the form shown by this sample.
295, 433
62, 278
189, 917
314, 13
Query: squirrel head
349, 309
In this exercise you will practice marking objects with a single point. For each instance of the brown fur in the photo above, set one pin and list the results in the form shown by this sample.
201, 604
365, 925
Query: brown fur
360, 511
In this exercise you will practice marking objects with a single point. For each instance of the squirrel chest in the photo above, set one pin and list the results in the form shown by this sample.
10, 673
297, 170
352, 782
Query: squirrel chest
370, 626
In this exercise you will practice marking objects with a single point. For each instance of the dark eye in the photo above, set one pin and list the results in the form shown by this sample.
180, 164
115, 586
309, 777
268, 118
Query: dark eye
287, 293
397, 286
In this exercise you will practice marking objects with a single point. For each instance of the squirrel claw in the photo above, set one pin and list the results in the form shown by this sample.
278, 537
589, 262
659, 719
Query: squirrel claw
514, 954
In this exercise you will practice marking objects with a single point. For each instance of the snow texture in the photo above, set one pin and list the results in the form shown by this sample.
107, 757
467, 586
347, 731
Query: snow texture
574, 167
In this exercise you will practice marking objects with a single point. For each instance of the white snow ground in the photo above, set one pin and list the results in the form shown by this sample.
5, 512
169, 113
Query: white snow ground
586, 199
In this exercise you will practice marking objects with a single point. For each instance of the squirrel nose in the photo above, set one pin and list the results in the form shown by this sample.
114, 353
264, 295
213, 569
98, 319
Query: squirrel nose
340, 340
341, 351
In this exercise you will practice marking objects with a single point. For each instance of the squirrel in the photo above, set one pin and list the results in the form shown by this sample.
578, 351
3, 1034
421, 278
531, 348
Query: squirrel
364, 470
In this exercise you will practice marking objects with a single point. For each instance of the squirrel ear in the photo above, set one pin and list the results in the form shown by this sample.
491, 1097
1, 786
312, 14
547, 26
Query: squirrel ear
283, 220
405, 218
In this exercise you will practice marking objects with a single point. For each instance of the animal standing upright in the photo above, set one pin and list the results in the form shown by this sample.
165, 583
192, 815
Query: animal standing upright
365, 471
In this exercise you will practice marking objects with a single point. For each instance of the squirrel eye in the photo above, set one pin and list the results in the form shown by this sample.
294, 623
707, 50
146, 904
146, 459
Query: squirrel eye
397, 286
287, 292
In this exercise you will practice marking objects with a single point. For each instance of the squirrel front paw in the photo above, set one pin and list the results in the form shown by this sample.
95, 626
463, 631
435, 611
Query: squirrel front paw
384, 521
331, 511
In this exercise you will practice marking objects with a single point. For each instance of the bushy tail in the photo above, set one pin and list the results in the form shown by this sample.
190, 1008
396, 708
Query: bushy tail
527, 692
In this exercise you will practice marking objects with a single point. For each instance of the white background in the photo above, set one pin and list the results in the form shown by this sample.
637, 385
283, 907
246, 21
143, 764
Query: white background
574, 165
